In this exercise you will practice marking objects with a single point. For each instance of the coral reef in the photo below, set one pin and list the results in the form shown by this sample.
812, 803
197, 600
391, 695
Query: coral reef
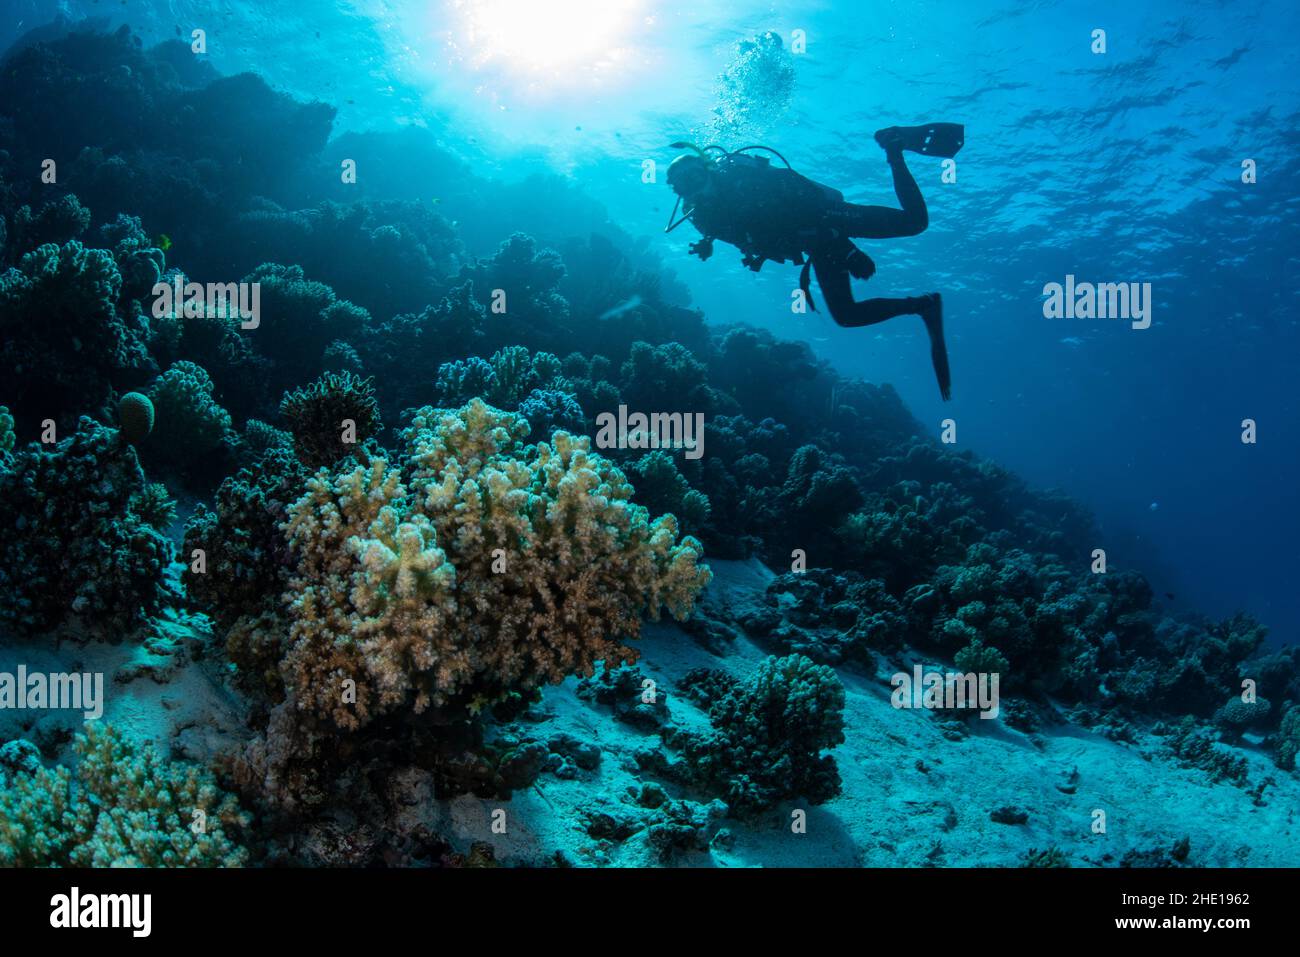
72, 548
7, 438
389, 610
246, 556
191, 430
121, 805
330, 418
768, 736
64, 341
395, 582
478, 568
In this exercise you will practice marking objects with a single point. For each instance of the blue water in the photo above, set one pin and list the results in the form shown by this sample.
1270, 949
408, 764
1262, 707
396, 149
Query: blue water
1123, 166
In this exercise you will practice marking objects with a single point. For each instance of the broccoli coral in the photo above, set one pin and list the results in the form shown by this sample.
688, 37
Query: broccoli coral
154, 506
121, 805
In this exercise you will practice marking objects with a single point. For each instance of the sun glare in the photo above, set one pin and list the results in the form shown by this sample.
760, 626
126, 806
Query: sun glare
547, 37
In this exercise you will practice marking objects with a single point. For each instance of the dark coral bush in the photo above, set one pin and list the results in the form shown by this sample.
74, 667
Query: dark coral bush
74, 550
769, 732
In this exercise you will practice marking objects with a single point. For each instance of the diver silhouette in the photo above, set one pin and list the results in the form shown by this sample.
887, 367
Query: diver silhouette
772, 212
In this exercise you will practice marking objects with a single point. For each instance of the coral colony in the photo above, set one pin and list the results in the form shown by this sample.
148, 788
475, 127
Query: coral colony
297, 560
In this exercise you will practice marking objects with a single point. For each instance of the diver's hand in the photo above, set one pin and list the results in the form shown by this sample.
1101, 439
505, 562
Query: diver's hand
859, 264
703, 249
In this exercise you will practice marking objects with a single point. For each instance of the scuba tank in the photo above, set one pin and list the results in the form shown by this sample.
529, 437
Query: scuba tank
766, 211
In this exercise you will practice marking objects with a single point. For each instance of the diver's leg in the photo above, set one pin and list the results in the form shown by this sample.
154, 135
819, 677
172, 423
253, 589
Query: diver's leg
883, 222
836, 290
838, 295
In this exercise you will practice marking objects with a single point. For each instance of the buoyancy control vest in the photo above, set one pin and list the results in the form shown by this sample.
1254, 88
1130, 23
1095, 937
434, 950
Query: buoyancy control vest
765, 211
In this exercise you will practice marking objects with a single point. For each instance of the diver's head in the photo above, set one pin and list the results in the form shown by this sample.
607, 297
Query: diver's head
689, 175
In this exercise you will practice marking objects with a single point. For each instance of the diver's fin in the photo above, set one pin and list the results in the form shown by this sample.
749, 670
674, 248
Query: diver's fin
932, 315
931, 139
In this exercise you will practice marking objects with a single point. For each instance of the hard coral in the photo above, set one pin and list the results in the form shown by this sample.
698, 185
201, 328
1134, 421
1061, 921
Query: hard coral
58, 221
486, 566
551, 410
189, 426
318, 416
63, 341
72, 547
119, 806
135, 417
299, 319
1286, 742
247, 556
503, 380
6, 434
768, 736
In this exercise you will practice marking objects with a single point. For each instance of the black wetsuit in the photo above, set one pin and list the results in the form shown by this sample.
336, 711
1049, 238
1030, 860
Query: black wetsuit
769, 212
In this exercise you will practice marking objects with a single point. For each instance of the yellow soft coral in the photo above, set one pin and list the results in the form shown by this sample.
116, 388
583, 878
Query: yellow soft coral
488, 566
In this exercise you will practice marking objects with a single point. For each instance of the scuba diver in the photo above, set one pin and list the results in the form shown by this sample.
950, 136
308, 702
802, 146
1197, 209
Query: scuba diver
770, 212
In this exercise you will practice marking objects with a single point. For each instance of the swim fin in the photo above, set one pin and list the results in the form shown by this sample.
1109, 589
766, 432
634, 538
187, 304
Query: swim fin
932, 316
932, 139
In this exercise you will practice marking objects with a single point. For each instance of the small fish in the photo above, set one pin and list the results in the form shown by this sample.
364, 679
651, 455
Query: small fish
163, 242
1171, 596
1072, 341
